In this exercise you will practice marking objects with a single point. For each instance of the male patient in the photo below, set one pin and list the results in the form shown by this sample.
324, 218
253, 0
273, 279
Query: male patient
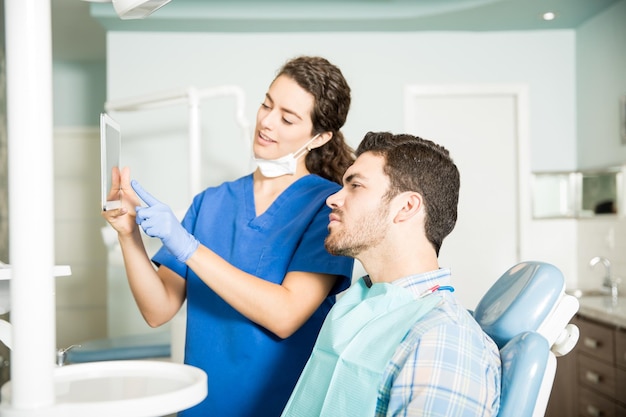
398, 343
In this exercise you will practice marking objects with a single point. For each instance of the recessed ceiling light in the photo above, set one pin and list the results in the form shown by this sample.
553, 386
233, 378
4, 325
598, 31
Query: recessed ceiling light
548, 16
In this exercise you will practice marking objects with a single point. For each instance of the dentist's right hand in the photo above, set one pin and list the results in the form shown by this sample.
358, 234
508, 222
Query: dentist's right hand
123, 218
158, 220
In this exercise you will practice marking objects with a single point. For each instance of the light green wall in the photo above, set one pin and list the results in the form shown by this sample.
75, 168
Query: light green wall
79, 92
601, 80
378, 67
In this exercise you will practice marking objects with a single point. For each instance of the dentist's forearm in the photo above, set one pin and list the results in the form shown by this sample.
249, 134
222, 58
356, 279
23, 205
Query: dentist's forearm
281, 309
157, 302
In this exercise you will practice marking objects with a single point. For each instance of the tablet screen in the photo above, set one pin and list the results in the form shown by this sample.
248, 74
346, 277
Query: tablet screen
110, 157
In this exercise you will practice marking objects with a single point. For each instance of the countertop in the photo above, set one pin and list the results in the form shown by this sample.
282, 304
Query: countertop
603, 309
57, 271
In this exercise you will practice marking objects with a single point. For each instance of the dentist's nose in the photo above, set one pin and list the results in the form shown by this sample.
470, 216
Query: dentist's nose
262, 121
267, 118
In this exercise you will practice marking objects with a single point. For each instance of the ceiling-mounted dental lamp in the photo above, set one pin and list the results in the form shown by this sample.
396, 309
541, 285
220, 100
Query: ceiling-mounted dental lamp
134, 9
137, 9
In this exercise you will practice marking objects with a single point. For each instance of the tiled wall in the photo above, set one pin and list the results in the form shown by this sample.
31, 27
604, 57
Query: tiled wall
601, 236
81, 299
4, 169
4, 201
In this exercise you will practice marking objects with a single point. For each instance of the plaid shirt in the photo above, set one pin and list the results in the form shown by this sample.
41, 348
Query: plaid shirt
445, 366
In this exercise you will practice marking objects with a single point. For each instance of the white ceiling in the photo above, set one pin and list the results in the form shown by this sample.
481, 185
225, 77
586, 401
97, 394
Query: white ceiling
78, 27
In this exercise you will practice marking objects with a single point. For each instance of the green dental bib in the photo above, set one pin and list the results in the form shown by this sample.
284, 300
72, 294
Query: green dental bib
355, 344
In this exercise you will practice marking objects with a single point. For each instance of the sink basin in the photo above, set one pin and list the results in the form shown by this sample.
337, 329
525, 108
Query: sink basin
603, 307
58, 271
5, 285
578, 293
118, 388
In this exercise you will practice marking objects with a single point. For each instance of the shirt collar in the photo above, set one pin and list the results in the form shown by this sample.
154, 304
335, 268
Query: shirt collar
420, 283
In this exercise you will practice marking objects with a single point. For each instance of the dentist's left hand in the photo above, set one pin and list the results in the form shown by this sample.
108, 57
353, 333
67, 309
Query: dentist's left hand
158, 220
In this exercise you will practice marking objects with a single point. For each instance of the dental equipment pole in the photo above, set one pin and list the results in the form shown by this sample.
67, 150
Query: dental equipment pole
193, 97
31, 202
194, 143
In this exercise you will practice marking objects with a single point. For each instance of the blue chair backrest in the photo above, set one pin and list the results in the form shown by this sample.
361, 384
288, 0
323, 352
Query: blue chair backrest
524, 364
523, 312
520, 300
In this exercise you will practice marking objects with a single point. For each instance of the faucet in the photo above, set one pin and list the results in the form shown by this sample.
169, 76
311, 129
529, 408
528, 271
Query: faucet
62, 354
608, 281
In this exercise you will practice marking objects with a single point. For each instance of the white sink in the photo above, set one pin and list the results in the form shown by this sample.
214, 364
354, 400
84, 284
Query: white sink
604, 308
5, 298
5, 285
58, 271
118, 388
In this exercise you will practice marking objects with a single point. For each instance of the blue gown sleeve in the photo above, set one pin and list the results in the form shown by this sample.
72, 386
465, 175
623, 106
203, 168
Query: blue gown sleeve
311, 255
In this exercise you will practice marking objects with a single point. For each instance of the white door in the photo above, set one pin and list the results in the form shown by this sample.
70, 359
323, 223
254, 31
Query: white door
480, 126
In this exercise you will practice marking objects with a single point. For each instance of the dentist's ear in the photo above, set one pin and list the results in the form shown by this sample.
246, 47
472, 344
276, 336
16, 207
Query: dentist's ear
321, 140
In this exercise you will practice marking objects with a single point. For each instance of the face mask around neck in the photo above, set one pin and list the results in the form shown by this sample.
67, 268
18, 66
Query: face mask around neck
285, 165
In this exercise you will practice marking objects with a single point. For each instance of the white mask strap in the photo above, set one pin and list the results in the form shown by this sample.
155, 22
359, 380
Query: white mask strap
297, 154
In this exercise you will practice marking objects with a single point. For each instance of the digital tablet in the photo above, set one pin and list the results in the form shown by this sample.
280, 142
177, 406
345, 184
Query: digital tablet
110, 157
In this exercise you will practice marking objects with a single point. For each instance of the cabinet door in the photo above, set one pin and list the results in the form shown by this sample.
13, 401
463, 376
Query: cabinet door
596, 340
620, 361
620, 386
596, 375
591, 404
620, 349
563, 400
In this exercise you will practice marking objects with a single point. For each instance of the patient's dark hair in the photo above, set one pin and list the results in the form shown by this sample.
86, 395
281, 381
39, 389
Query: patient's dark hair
420, 165
331, 94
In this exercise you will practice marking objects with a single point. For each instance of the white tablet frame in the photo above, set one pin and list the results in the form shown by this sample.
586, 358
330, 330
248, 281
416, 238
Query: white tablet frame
110, 156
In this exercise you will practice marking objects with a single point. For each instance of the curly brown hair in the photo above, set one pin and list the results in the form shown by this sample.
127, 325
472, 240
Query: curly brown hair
332, 101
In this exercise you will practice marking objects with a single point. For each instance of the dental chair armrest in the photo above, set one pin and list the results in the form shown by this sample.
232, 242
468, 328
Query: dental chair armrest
566, 340
557, 321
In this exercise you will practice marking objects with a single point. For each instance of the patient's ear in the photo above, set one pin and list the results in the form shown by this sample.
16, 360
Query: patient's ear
410, 204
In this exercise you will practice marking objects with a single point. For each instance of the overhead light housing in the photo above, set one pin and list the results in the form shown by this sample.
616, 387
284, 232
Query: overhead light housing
137, 9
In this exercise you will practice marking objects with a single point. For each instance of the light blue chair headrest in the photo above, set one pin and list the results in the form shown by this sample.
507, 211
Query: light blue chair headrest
520, 300
524, 361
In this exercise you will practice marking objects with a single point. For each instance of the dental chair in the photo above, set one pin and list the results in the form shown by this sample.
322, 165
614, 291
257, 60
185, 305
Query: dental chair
527, 313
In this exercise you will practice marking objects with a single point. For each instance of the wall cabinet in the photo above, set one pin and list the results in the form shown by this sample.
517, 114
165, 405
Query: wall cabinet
591, 380
578, 194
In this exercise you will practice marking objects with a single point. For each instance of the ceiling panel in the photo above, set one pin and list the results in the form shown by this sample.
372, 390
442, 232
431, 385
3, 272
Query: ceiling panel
79, 26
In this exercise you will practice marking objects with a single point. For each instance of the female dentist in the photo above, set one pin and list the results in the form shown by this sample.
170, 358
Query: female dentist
249, 256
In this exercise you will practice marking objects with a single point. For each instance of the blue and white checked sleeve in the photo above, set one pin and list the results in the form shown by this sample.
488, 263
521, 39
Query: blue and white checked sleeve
445, 366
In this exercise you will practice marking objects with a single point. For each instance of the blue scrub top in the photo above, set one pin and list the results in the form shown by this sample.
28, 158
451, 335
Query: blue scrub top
252, 372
